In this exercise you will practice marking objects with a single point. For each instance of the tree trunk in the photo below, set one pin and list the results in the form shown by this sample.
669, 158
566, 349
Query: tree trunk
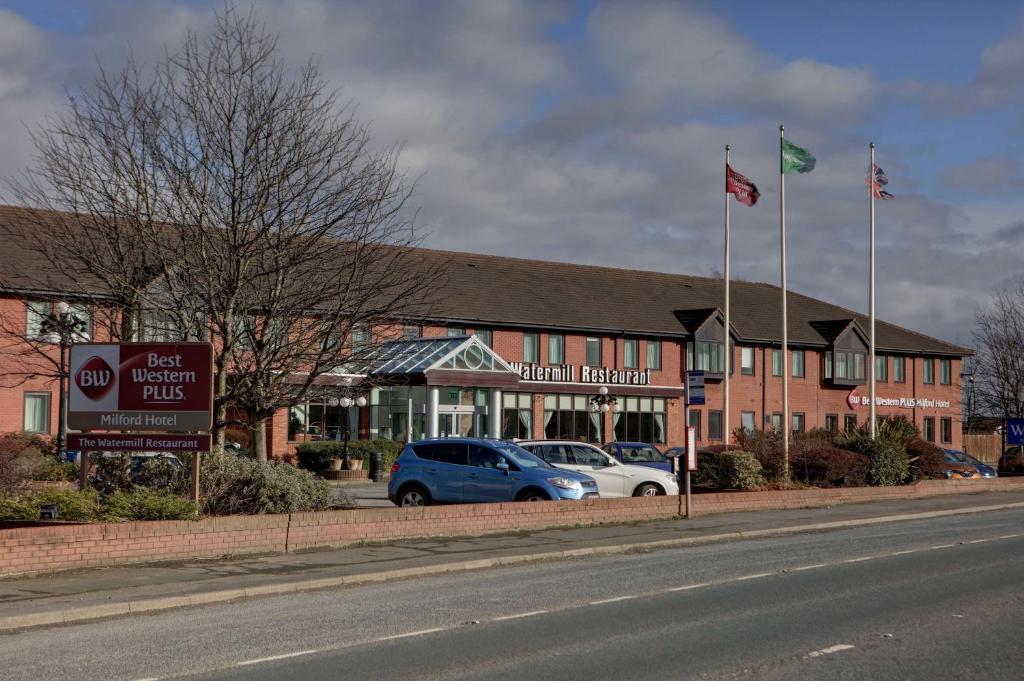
259, 439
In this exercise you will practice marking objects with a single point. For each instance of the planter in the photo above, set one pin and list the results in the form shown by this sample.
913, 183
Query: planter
334, 465
355, 464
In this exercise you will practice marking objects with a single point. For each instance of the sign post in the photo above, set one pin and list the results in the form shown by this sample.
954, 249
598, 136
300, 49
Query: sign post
691, 465
694, 395
136, 388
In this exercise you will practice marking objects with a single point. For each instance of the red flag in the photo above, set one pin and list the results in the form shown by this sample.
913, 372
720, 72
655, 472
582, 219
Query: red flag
739, 186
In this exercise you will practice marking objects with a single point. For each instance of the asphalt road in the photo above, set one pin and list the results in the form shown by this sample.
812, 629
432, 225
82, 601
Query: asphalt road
935, 599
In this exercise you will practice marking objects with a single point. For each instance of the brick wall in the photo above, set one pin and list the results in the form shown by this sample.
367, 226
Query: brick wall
60, 547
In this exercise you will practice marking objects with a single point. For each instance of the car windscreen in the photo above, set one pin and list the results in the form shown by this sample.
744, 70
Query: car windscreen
953, 457
642, 454
521, 457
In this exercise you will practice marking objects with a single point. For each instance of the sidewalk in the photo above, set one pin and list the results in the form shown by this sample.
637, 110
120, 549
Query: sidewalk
94, 593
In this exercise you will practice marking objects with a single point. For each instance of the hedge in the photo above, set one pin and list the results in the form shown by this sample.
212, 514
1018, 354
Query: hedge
729, 470
316, 456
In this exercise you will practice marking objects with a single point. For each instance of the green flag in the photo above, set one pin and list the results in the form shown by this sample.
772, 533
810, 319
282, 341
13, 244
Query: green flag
796, 159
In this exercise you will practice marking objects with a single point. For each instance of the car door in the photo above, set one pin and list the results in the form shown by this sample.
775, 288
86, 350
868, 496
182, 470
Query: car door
611, 480
483, 480
444, 465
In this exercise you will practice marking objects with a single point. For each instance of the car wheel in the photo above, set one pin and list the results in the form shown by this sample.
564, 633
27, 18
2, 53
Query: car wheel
534, 495
647, 490
413, 496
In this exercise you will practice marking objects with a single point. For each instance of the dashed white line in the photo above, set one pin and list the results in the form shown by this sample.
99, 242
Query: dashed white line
612, 600
807, 567
285, 656
941, 546
903, 553
860, 560
520, 615
421, 632
759, 575
831, 649
148, 678
688, 587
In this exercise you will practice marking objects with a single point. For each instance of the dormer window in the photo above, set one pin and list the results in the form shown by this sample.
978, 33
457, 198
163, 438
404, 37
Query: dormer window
710, 357
845, 366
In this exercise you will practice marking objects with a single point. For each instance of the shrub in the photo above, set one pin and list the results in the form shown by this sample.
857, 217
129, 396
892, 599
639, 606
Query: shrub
927, 461
766, 446
897, 428
17, 508
315, 456
729, 470
831, 467
890, 464
22, 457
232, 485
147, 504
57, 471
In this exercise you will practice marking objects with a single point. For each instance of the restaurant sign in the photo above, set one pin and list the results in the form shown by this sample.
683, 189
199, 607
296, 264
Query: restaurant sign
138, 442
141, 386
570, 373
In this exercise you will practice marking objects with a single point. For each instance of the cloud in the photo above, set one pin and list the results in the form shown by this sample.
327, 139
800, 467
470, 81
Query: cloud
983, 176
1011, 233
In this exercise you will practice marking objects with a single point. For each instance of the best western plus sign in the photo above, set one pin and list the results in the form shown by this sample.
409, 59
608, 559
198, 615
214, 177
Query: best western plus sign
145, 386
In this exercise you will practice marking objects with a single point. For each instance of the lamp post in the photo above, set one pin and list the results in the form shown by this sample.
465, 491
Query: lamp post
602, 402
345, 402
62, 328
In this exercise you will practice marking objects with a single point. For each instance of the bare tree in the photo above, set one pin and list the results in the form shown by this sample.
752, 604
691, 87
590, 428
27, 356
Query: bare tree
225, 197
998, 365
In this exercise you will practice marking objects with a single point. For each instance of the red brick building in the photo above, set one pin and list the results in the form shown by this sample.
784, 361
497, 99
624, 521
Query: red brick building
555, 334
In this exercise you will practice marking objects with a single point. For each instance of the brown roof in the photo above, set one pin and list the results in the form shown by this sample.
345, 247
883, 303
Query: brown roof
502, 291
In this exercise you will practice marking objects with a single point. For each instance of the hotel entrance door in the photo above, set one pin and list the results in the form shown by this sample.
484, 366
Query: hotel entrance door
455, 421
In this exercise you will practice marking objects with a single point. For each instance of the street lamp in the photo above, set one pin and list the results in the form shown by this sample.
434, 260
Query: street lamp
62, 328
345, 402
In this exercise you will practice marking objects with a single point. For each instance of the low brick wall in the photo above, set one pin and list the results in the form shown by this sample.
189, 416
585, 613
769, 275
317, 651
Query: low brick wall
66, 546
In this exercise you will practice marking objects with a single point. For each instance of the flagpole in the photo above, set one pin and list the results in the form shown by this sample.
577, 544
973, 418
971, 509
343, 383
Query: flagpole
871, 291
728, 345
785, 322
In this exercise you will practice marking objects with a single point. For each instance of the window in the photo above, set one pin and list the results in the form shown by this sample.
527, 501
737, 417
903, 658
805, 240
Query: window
593, 352
570, 417
37, 413
798, 363
483, 457
748, 420
776, 362
695, 422
775, 422
456, 331
945, 372
850, 423
747, 361
517, 416
946, 423
642, 419
714, 425
556, 348
882, 368
630, 353
412, 331
848, 366
929, 428
485, 336
531, 343
899, 369
587, 456
929, 370
832, 423
360, 337
828, 364
654, 355
36, 312
442, 452
710, 357
797, 422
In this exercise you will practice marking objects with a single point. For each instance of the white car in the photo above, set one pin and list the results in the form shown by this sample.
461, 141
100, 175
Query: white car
614, 479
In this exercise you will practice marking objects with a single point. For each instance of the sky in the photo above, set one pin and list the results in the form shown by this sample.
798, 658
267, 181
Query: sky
593, 131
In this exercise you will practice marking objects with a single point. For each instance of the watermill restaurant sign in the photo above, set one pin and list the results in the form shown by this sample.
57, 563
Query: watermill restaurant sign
141, 386
570, 373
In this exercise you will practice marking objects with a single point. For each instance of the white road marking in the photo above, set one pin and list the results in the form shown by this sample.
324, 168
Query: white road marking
421, 632
831, 649
941, 546
285, 656
903, 553
148, 678
688, 587
1008, 536
520, 615
978, 541
861, 559
612, 600
807, 567
759, 575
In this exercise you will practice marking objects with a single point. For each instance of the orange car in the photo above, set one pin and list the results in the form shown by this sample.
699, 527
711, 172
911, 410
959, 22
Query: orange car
956, 469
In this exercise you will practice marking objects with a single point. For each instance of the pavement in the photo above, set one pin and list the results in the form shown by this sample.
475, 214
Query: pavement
81, 595
362, 494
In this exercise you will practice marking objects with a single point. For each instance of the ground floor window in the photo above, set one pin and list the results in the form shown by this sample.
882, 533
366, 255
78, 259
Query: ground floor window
37, 413
714, 425
798, 422
642, 419
850, 423
947, 429
775, 422
312, 421
695, 423
748, 420
929, 428
570, 417
832, 423
517, 416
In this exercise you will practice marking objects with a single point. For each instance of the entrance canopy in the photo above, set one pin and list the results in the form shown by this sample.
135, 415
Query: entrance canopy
445, 360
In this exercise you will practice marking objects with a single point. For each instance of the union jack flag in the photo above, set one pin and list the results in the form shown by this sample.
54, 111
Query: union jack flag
878, 182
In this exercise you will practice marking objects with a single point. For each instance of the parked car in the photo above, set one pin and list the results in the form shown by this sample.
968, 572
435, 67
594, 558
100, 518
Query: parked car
984, 470
955, 468
471, 470
614, 479
639, 453
1012, 460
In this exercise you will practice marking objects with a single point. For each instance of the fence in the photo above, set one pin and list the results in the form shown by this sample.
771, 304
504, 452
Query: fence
984, 446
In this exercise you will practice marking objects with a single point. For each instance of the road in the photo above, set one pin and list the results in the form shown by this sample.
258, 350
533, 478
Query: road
931, 599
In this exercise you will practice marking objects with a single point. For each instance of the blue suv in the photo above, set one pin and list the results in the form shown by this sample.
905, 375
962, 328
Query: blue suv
471, 470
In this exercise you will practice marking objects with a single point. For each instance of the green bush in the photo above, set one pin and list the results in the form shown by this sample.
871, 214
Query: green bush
56, 471
927, 461
316, 456
830, 467
71, 504
236, 485
766, 447
143, 503
729, 470
890, 464
22, 457
17, 508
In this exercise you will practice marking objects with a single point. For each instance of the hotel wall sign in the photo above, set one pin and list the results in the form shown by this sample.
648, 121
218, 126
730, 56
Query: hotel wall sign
854, 400
571, 373
141, 386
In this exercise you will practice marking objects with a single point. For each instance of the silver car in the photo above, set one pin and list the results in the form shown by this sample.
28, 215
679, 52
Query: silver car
614, 479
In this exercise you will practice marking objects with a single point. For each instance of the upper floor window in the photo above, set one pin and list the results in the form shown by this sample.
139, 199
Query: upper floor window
593, 352
710, 357
747, 361
37, 312
360, 337
556, 348
456, 331
945, 372
531, 344
929, 370
848, 365
654, 355
798, 364
776, 362
630, 352
485, 336
412, 331
881, 368
36, 413
899, 369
